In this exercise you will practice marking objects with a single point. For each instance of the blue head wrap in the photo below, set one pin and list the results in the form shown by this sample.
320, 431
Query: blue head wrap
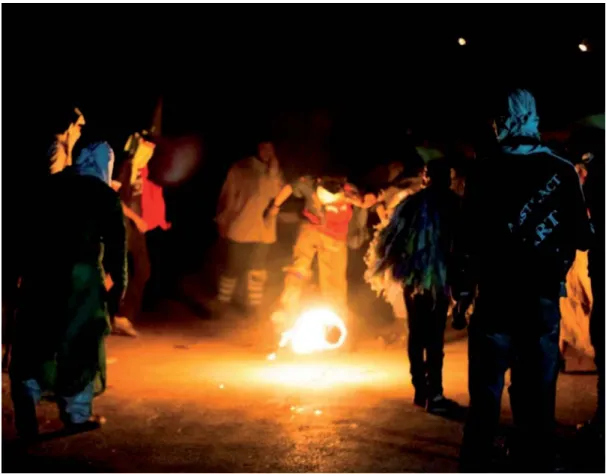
521, 119
97, 160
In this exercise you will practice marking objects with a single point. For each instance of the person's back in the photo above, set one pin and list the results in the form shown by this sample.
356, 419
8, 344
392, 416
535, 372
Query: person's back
524, 217
62, 317
77, 240
418, 240
526, 220
73, 232
414, 249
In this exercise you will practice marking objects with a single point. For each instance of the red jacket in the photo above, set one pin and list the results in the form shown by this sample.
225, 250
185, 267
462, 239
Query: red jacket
152, 203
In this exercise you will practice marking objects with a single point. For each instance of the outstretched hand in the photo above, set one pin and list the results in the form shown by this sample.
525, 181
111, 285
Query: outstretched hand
368, 201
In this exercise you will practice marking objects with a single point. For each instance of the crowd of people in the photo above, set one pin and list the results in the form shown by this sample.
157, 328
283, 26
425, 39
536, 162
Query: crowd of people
476, 247
443, 245
507, 249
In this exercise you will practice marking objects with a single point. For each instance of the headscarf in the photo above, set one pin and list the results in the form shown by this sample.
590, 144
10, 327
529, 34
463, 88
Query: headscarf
96, 159
521, 119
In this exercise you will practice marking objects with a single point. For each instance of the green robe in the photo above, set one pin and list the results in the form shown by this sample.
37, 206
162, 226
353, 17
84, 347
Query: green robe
76, 233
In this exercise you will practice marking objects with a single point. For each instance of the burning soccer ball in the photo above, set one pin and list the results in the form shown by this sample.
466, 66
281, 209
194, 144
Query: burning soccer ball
315, 330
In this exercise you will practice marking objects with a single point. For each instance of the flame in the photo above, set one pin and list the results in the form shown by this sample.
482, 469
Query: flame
308, 335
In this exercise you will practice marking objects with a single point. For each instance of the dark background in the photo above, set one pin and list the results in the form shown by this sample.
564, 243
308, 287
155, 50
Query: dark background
334, 87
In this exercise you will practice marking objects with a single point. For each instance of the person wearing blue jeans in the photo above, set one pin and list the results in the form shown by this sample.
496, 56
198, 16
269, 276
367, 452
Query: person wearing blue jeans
74, 411
524, 217
531, 351
63, 308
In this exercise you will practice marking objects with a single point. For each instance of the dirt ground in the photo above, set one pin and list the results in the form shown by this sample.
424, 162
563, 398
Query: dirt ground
200, 396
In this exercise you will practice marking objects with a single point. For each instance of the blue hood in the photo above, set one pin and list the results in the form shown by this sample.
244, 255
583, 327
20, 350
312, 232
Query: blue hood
96, 160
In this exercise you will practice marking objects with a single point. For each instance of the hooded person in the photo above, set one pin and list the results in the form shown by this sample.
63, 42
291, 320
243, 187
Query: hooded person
63, 313
514, 249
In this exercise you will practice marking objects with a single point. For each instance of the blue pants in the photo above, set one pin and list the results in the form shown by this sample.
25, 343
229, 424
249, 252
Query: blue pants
26, 395
525, 341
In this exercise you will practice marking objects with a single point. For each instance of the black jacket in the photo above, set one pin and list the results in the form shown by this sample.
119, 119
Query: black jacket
524, 217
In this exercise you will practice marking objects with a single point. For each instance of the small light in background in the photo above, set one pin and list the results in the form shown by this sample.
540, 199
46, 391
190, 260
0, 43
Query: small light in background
462, 41
221, 386
583, 47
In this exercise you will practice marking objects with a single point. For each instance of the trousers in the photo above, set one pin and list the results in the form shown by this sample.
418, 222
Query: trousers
426, 325
244, 259
524, 339
332, 267
26, 395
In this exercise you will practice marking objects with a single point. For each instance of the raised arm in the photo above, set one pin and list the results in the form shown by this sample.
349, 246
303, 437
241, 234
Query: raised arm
368, 201
352, 196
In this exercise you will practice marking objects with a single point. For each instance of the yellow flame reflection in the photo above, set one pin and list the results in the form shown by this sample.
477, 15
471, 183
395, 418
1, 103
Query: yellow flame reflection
322, 375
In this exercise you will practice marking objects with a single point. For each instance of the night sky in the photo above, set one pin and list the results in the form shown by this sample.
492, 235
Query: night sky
219, 69
329, 84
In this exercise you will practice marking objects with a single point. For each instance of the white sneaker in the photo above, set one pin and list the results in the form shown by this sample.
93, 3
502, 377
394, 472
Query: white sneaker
124, 326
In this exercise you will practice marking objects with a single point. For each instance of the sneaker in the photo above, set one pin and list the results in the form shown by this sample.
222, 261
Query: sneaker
439, 405
93, 423
122, 326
